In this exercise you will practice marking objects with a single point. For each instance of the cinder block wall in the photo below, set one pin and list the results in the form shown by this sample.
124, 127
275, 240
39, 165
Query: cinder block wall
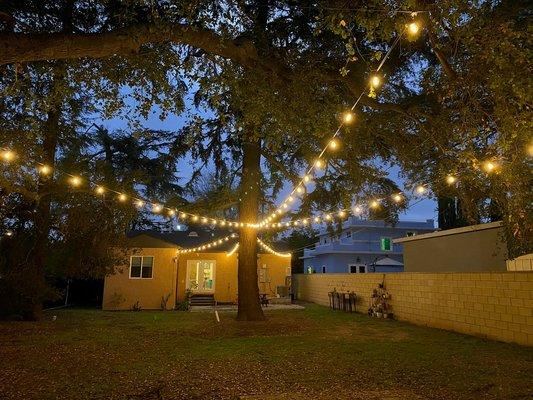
496, 305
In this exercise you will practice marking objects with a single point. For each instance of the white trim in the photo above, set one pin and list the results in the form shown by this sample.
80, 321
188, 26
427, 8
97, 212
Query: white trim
214, 275
141, 276
447, 232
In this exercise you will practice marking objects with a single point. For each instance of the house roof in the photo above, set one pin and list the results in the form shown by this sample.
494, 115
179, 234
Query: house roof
195, 237
447, 232
388, 261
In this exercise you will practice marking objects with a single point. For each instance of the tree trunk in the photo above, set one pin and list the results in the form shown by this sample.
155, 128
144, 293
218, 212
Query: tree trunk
249, 306
42, 210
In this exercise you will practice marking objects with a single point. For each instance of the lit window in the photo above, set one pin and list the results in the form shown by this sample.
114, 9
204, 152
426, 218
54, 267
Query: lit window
141, 267
386, 244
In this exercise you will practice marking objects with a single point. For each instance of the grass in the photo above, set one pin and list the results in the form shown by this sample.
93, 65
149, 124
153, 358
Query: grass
295, 354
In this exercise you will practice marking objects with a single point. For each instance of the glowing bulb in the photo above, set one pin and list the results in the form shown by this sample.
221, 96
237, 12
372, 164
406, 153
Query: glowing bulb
171, 213
328, 217
122, 197
317, 219
375, 81
195, 218
333, 144
204, 220
357, 210
9, 233
44, 169
305, 221
157, 208
489, 166
397, 197
374, 204
420, 189
530, 150
183, 215
300, 189
285, 205
222, 223
342, 214
139, 203
215, 222
450, 179
348, 117
413, 28
8, 155
99, 190
319, 164
290, 199
75, 181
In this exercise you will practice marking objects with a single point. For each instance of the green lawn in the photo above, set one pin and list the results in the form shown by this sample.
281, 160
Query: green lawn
295, 354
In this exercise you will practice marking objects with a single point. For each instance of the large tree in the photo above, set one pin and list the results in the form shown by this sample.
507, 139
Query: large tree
274, 76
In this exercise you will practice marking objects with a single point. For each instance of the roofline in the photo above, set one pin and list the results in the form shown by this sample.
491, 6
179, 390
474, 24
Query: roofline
448, 232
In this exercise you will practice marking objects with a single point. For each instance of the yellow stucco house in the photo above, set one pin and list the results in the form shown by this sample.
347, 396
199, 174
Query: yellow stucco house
156, 275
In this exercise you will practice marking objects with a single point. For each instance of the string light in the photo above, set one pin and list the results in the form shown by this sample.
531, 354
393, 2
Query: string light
357, 210
139, 203
204, 246
232, 251
319, 163
489, 166
75, 181
44, 169
157, 208
171, 213
271, 250
397, 197
413, 28
122, 197
99, 190
333, 144
420, 189
348, 117
375, 81
450, 179
7, 155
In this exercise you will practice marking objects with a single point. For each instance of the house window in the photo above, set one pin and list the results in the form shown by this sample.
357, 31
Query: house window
386, 244
357, 269
410, 233
141, 267
349, 234
324, 269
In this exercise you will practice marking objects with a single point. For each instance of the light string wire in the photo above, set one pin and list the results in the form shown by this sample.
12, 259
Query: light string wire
207, 245
45, 171
317, 163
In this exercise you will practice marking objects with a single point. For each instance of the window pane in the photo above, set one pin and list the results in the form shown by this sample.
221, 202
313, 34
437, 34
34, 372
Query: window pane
135, 271
385, 244
148, 262
147, 272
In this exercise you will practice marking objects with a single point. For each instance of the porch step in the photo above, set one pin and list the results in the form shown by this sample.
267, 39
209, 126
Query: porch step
202, 300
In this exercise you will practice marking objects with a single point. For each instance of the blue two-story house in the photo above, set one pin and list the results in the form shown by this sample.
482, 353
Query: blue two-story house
362, 246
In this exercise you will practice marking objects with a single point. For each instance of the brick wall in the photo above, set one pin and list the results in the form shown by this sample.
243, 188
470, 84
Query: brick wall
496, 305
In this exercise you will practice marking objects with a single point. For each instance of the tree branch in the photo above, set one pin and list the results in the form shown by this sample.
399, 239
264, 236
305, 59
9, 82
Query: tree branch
295, 179
13, 188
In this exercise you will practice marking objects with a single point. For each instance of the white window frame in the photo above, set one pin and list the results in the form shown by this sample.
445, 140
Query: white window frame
141, 275
189, 262
391, 244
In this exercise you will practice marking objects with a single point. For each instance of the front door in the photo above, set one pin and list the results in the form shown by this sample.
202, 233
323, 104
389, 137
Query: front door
200, 276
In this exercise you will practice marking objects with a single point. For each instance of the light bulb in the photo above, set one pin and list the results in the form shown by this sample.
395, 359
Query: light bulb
99, 190
413, 28
75, 181
357, 210
204, 220
183, 215
333, 144
420, 189
307, 178
290, 199
342, 214
317, 219
300, 189
374, 204
328, 217
348, 117
319, 164
397, 197
8, 155
285, 205
375, 81
489, 166
122, 197
171, 213
450, 179
157, 208
139, 203
195, 218
44, 169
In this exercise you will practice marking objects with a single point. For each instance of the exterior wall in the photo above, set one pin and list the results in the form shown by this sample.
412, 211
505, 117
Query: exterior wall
226, 288
522, 263
121, 292
339, 263
474, 251
495, 305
